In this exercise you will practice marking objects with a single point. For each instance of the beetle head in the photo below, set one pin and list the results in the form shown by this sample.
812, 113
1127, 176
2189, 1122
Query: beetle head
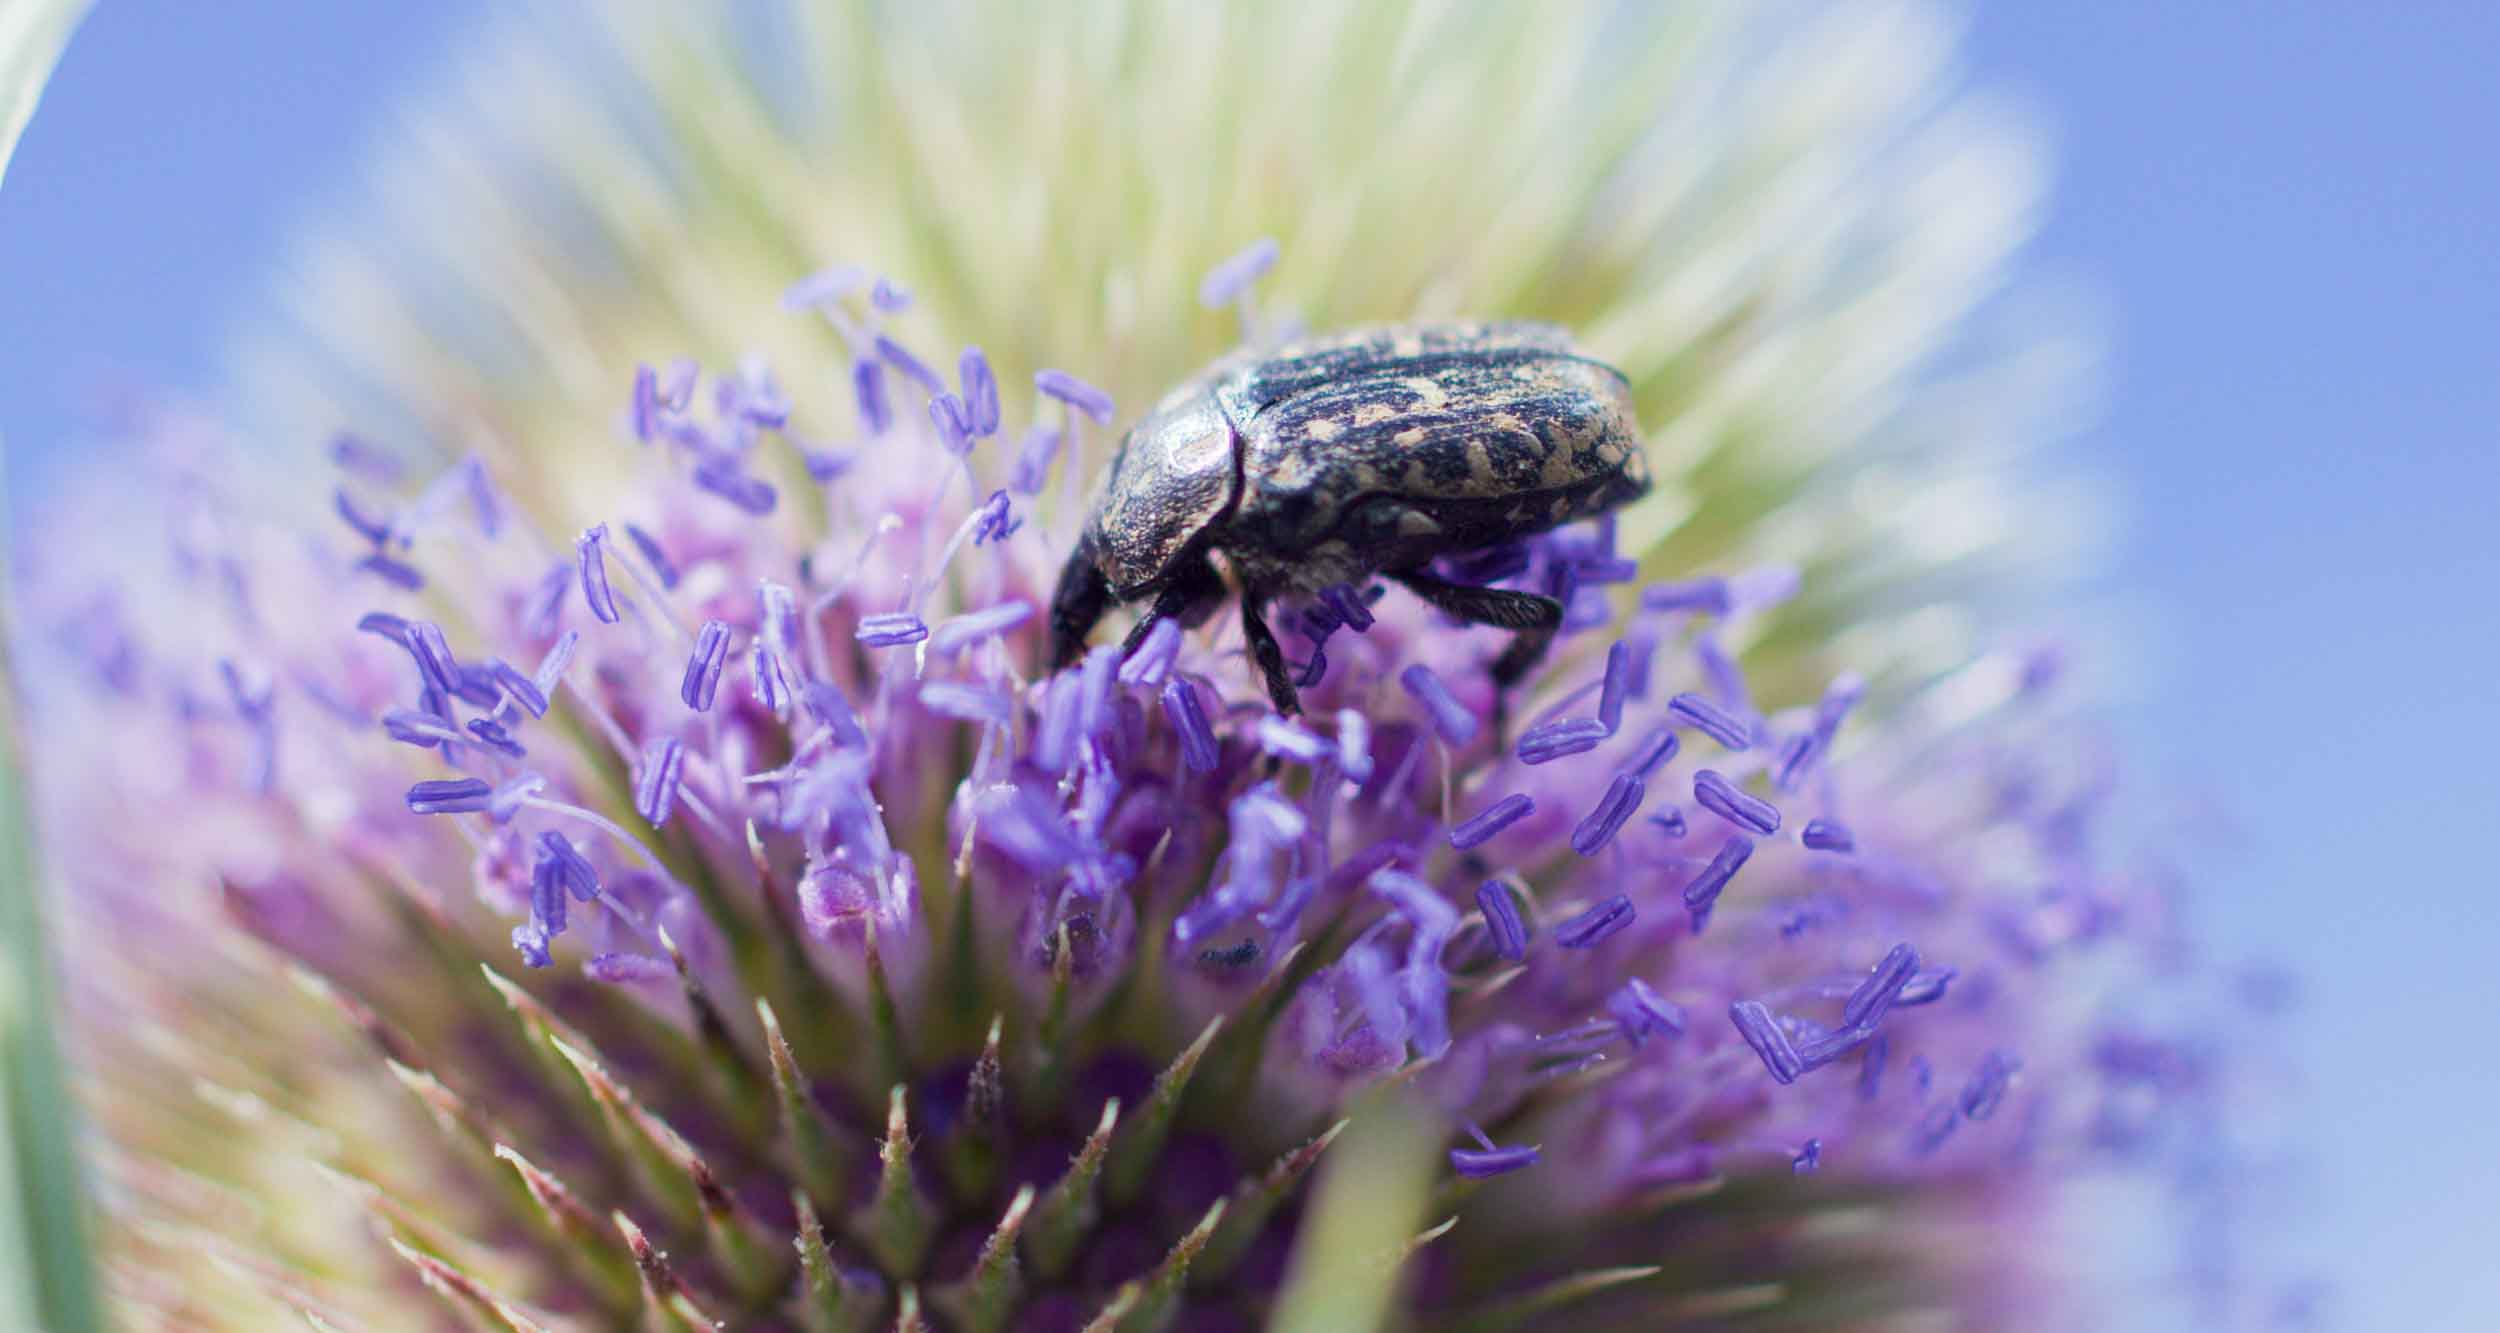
1176, 474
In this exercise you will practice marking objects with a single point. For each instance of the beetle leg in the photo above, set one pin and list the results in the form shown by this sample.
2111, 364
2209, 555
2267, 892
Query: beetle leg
1271, 658
1083, 595
1191, 593
1501, 608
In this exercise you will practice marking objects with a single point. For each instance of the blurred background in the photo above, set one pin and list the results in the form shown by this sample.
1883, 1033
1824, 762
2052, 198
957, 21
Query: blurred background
2288, 212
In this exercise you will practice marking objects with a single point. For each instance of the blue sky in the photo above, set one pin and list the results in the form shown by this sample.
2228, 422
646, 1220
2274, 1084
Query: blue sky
2292, 210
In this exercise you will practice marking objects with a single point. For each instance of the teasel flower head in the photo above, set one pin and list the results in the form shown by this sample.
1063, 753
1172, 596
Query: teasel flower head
636, 869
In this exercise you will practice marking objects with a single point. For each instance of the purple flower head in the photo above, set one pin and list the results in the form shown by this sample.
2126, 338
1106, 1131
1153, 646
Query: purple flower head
879, 938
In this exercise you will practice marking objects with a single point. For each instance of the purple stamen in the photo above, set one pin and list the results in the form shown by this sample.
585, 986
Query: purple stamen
646, 402
1560, 738
723, 477
1054, 740
1189, 722
1798, 758
1449, 717
483, 501
876, 414
702, 680
677, 386
411, 726
396, 572
1709, 596
1590, 927
434, 659
766, 659
1154, 656
1622, 798
1618, 686
1286, 739
1670, 822
832, 710
1502, 921
1033, 460
559, 656
360, 456
449, 796
1720, 797
371, 529
1098, 678
1727, 729
1762, 1032
1933, 1129
1354, 745
519, 688
1347, 601
1986, 1089
1482, 1164
1075, 392
579, 877
1639, 1010
655, 793
592, 551
1808, 1158
997, 521
1606, 569
543, 613
1657, 748
968, 703
1925, 988
898, 356
1703, 893
1875, 996
1725, 679
823, 287
1824, 835
506, 802
889, 297
980, 394
954, 428
654, 556
891, 629
1762, 588
1871, 1068
494, 736
1230, 280
825, 467
963, 631
385, 625
1498, 816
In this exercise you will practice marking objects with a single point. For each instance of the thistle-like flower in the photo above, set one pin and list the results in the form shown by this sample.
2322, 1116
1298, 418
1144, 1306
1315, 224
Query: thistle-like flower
639, 872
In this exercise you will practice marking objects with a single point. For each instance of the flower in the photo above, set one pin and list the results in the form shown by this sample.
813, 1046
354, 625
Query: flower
637, 870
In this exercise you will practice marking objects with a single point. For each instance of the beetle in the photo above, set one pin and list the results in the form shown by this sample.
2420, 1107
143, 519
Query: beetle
1375, 450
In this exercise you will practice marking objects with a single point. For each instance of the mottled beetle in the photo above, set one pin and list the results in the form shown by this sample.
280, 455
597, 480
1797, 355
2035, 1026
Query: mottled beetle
1376, 450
